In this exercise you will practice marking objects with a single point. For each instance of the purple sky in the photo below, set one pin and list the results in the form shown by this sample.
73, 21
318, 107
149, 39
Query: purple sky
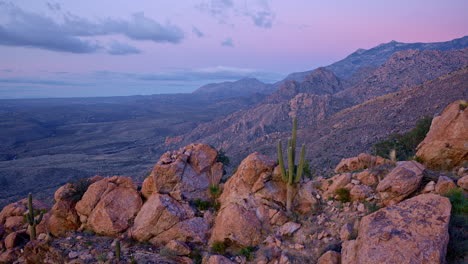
109, 47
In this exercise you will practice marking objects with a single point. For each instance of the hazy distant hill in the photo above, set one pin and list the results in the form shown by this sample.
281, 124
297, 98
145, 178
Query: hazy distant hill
243, 87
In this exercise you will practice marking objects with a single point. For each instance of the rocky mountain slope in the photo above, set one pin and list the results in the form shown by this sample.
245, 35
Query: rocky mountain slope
372, 210
242, 87
317, 101
378, 55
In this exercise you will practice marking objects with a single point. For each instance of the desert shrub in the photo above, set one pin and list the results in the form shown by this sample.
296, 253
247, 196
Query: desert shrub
247, 252
463, 105
201, 204
223, 158
404, 144
458, 227
78, 187
214, 191
458, 200
343, 195
219, 247
196, 256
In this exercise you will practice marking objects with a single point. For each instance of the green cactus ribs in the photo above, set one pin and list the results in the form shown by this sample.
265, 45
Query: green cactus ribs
31, 217
294, 173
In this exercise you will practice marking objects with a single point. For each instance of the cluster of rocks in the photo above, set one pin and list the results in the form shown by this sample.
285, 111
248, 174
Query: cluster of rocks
335, 220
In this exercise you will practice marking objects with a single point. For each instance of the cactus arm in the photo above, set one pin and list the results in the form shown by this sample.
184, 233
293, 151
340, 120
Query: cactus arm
281, 162
38, 221
290, 163
294, 137
300, 168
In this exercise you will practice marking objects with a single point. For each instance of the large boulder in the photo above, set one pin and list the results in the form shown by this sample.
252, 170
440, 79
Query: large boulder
444, 185
362, 161
163, 218
463, 182
403, 180
252, 199
186, 173
446, 143
63, 216
413, 231
109, 205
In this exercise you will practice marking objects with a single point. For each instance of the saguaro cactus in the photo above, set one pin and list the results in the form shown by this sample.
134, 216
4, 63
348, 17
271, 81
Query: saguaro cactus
294, 173
117, 250
30, 217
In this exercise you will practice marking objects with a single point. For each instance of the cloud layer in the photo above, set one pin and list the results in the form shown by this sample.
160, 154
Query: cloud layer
75, 34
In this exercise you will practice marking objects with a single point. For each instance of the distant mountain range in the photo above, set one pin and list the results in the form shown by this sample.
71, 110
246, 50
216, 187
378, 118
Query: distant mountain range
322, 95
360, 62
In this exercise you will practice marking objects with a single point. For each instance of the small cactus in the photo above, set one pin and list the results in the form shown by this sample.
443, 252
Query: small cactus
117, 250
294, 173
31, 219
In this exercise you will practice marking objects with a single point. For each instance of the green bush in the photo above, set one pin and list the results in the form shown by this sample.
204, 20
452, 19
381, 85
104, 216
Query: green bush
78, 187
201, 204
404, 144
458, 200
247, 252
223, 158
214, 190
458, 227
343, 195
219, 247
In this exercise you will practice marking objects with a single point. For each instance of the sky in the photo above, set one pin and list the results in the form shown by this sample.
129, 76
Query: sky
113, 47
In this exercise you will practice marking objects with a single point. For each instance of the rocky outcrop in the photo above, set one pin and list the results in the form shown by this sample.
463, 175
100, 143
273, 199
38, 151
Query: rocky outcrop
246, 201
403, 180
444, 185
445, 145
463, 182
63, 216
109, 205
184, 173
362, 161
11, 216
334, 183
162, 219
413, 231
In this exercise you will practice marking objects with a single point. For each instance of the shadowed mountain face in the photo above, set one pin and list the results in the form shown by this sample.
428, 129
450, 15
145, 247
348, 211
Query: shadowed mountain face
46, 142
322, 95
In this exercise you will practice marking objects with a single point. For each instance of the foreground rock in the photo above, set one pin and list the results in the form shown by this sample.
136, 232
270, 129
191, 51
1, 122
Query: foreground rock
162, 219
244, 215
184, 173
413, 231
445, 145
403, 180
109, 205
362, 161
